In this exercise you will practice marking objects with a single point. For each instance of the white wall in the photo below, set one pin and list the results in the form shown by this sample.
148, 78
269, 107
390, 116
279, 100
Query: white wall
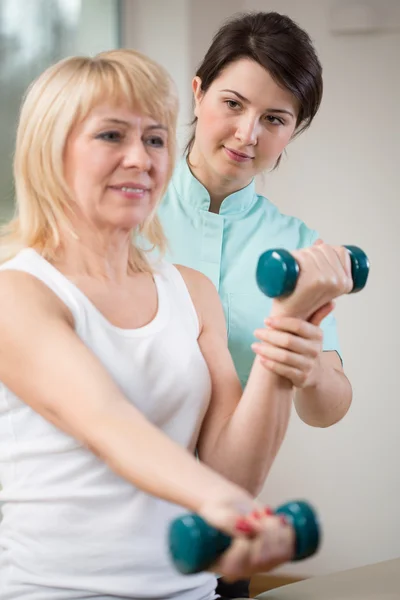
160, 30
341, 177
97, 29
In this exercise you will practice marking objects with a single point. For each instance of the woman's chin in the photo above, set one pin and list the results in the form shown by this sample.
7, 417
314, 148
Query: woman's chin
234, 172
131, 220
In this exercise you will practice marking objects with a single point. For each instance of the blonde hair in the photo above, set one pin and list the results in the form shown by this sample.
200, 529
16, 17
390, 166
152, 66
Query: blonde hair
55, 102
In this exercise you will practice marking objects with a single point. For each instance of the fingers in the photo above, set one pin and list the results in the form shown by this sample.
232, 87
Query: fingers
325, 274
345, 260
275, 546
325, 267
234, 563
292, 336
299, 377
269, 352
334, 262
342, 254
298, 327
233, 520
291, 348
272, 546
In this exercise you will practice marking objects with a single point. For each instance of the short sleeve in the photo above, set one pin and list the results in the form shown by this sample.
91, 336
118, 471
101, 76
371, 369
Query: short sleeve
331, 338
328, 325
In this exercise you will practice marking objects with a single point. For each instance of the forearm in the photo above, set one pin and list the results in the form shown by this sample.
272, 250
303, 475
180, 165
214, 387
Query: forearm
249, 441
143, 455
327, 401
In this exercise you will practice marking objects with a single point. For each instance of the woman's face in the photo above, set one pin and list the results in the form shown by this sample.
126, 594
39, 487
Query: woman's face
116, 164
244, 122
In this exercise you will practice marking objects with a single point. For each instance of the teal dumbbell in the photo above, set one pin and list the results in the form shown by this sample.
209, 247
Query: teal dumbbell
195, 545
277, 271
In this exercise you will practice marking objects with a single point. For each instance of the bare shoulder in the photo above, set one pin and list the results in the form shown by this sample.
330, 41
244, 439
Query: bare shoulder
24, 297
197, 280
205, 298
201, 288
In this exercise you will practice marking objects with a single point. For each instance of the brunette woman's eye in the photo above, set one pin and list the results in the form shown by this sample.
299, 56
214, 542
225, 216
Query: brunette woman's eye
274, 120
233, 104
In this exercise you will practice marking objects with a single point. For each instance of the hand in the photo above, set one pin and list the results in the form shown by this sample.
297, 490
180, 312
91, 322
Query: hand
261, 541
292, 347
325, 274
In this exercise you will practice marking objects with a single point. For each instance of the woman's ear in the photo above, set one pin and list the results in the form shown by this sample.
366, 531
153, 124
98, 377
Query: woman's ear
197, 93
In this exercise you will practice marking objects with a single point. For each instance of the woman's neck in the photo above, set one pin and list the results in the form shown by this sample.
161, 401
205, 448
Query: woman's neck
95, 256
217, 186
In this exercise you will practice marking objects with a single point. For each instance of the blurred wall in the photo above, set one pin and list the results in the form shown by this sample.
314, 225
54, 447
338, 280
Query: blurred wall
50, 30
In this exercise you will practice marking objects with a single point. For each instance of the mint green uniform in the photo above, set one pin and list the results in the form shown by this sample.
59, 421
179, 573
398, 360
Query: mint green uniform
226, 248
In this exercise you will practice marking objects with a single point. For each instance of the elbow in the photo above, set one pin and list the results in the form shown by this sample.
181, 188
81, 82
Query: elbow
323, 412
319, 421
328, 418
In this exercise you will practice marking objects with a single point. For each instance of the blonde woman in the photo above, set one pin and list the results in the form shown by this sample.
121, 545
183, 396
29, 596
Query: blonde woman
115, 370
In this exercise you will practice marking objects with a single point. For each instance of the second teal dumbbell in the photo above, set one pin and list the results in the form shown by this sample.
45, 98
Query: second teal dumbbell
278, 271
194, 545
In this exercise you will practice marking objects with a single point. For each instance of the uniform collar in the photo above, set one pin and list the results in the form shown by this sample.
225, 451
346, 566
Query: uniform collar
192, 192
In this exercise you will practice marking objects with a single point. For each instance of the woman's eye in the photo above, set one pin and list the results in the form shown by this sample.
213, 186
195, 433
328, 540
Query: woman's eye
110, 136
233, 104
155, 141
274, 120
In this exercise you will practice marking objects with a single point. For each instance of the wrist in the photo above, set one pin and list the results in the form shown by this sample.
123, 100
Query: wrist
215, 488
279, 309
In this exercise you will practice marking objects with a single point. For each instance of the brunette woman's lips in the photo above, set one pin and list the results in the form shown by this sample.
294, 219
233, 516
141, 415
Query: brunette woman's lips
237, 156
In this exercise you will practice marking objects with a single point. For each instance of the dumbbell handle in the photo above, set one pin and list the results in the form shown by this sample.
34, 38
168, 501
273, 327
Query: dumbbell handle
195, 545
278, 271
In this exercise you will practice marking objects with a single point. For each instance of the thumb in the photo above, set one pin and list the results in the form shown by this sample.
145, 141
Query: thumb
321, 313
318, 242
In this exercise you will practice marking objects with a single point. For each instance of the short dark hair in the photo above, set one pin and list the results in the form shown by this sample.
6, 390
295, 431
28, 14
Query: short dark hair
276, 43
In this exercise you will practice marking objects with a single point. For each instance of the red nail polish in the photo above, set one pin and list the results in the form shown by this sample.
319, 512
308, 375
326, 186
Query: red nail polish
243, 526
268, 511
283, 520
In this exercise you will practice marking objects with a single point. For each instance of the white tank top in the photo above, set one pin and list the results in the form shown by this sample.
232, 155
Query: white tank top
71, 528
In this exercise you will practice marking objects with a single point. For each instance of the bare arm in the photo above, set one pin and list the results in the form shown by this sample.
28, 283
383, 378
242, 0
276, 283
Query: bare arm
292, 348
292, 344
68, 386
326, 402
242, 431
328, 399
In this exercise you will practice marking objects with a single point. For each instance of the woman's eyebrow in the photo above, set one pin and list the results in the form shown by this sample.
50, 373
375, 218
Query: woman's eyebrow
276, 110
128, 124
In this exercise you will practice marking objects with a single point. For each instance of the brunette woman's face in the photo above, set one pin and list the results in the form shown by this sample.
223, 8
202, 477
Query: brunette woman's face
244, 122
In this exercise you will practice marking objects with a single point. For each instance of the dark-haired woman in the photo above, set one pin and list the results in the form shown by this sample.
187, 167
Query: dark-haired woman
258, 86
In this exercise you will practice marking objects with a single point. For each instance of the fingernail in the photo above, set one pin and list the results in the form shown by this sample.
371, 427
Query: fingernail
243, 526
268, 511
283, 520
255, 514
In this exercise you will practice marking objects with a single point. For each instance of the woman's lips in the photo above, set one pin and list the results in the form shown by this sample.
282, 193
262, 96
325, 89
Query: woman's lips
237, 156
